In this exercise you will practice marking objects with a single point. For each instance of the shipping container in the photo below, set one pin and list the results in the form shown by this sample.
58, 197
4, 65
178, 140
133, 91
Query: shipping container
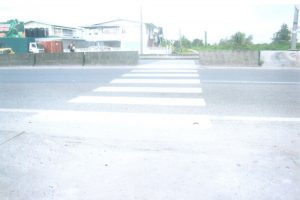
52, 46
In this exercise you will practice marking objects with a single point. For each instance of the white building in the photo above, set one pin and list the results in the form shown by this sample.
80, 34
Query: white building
117, 34
125, 35
56, 30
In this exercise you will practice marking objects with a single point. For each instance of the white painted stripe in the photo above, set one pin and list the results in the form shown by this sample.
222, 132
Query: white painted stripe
60, 115
166, 81
21, 110
139, 101
249, 82
165, 66
254, 118
212, 117
135, 120
164, 70
150, 89
160, 75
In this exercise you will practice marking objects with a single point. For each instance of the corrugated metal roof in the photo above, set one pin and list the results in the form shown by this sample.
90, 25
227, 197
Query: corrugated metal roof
111, 21
60, 26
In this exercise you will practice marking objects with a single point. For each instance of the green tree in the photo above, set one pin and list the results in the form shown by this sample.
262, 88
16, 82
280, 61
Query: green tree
186, 43
225, 43
176, 44
166, 43
177, 47
180, 45
241, 41
238, 40
283, 35
197, 42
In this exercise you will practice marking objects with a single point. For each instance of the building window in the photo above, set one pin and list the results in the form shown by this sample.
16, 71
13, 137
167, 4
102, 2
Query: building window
67, 32
114, 44
110, 30
57, 31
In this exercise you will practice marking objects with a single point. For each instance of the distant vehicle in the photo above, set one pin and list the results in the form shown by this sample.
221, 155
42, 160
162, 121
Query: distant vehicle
21, 45
6, 51
35, 48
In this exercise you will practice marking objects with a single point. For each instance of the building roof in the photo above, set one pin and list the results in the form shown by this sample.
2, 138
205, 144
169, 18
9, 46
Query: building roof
60, 26
111, 21
116, 20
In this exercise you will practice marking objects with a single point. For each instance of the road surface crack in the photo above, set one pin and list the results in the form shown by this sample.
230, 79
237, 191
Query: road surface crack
15, 136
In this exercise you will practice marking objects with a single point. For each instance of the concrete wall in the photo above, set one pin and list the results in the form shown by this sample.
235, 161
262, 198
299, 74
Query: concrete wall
280, 58
229, 58
112, 58
79, 59
17, 60
59, 59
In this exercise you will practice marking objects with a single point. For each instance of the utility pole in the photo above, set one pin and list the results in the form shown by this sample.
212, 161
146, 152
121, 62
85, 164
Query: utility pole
294, 30
205, 38
141, 31
180, 39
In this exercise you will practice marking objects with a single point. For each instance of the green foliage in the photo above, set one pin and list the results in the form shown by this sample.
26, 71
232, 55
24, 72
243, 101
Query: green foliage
166, 43
150, 26
186, 43
177, 44
197, 43
283, 36
237, 41
240, 41
272, 46
181, 45
253, 47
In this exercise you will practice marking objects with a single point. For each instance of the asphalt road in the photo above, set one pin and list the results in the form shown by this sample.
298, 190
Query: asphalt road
159, 130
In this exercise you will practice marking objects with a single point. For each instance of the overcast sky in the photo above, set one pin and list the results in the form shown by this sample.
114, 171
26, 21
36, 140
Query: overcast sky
220, 18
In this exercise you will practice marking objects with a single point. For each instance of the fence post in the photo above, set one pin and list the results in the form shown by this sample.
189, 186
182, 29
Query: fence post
34, 59
83, 59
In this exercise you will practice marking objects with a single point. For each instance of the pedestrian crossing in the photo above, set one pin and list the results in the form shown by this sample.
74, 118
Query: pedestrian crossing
168, 86
159, 96
157, 81
164, 70
195, 90
159, 75
139, 101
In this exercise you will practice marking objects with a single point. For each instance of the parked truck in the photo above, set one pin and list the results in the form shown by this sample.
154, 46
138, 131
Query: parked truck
21, 45
12, 35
